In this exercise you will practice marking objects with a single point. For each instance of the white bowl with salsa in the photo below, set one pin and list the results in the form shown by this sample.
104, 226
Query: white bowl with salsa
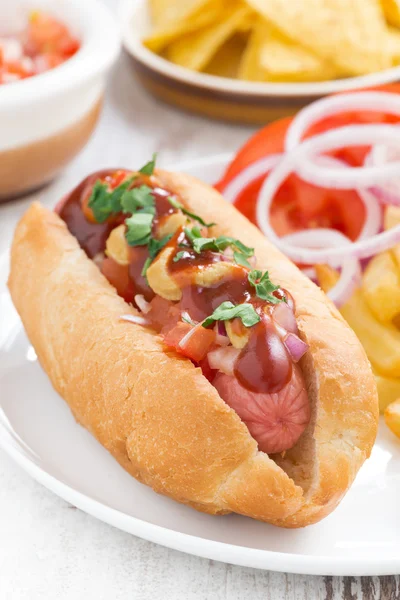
54, 58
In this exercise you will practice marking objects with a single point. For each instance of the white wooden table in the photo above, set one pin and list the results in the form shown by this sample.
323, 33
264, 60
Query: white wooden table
51, 551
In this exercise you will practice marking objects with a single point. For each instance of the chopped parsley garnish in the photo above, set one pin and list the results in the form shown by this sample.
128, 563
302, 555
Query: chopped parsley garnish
200, 244
105, 202
186, 212
138, 198
154, 247
139, 228
192, 234
227, 311
148, 168
264, 286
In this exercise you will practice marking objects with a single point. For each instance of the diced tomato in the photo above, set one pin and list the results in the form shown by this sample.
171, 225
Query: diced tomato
297, 204
197, 344
118, 276
163, 314
117, 178
44, 44
47, 35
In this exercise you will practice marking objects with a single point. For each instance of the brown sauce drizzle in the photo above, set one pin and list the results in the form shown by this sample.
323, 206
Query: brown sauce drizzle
200, 302
191, 260
92, 237
137, 257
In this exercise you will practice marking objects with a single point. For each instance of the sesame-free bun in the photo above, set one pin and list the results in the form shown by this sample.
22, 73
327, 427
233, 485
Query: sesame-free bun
155, 411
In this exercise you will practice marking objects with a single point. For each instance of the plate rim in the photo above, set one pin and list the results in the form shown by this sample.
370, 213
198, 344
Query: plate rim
258, 90
203, 547
191, 544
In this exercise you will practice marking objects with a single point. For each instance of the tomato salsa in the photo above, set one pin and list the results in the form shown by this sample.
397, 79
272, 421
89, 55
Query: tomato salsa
43, 44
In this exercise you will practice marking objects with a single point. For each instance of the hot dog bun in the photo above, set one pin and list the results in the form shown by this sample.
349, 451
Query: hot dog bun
157, 414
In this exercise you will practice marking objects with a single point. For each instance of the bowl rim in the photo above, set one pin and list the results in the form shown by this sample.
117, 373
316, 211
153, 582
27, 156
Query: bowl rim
95, 56
131, 39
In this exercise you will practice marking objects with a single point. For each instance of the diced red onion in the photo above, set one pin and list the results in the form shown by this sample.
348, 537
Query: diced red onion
244, 178
332, 105
283, 315
142, 304
221, 337
221, 329
134, 319
296, 347
223, 359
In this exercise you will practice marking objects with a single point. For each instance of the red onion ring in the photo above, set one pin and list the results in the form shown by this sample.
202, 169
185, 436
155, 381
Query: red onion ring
352, 177
363, 248
257, 169
332, 105
380, 154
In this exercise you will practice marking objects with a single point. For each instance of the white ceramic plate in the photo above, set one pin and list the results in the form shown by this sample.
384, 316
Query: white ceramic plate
37, 430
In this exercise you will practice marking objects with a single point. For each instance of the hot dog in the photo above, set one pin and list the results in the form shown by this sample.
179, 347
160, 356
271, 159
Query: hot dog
263, 410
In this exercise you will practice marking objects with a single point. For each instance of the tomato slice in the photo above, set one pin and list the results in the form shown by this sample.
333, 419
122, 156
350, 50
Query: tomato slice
297, 204
198, 344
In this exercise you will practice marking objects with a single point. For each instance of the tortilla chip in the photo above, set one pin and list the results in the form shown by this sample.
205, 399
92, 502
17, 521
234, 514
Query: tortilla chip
250, 67
348, 33
391, 9
165, 12
394, 44
273, 57
226, 61
176, 23
195, 50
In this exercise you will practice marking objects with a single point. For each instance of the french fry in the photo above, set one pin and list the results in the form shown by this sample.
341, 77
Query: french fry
381, 286
392, 417
381, 341
392, 219
388, 390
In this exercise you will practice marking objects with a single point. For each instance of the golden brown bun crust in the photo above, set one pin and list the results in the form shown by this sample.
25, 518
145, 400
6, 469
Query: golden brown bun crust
157, 414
